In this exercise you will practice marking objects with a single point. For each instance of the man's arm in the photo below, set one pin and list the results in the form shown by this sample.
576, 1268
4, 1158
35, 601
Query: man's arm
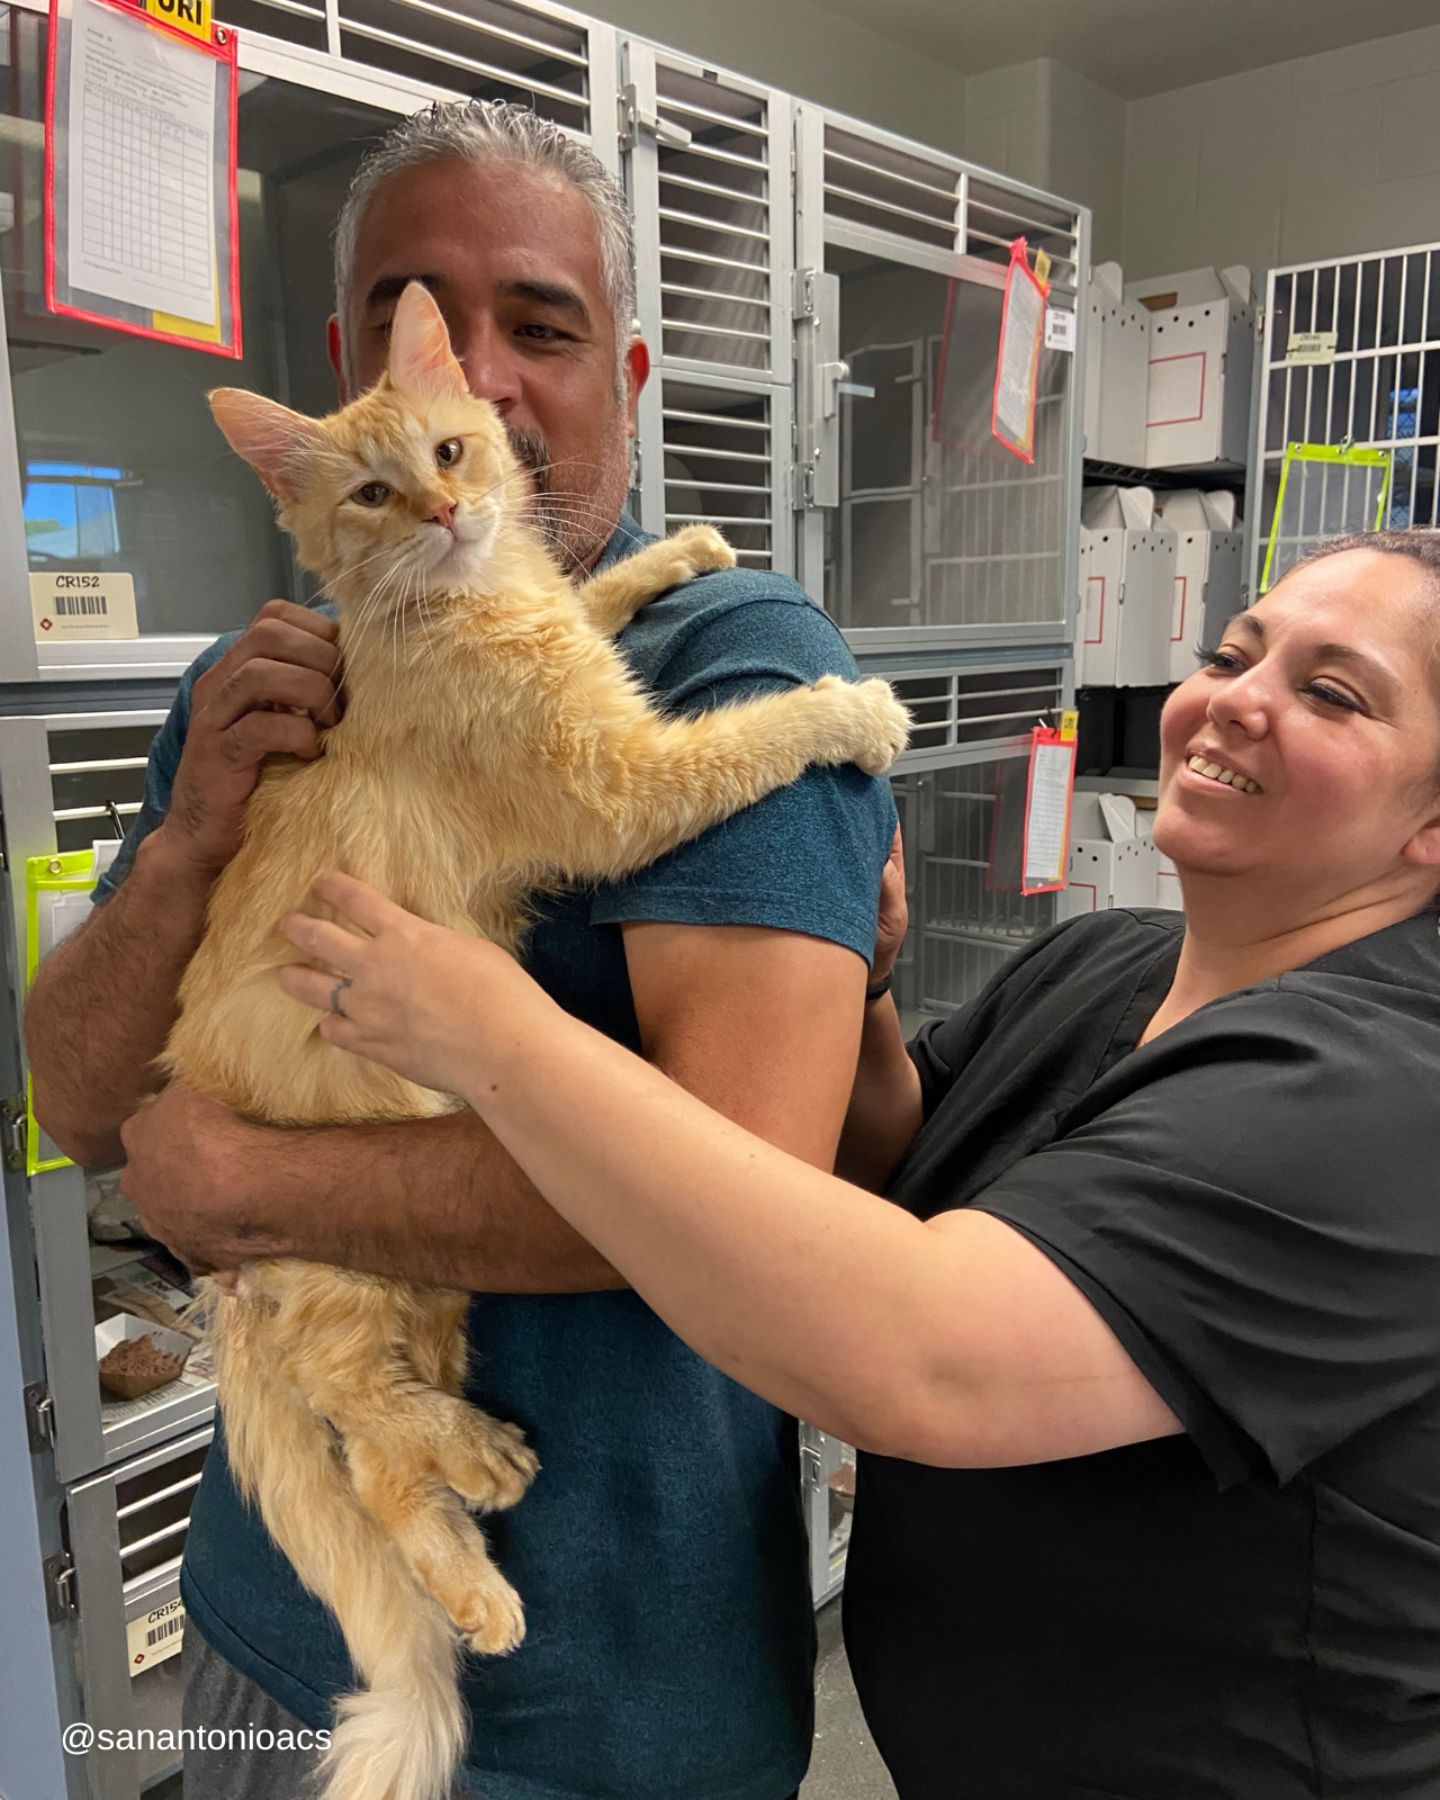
760, 1024
103, 1003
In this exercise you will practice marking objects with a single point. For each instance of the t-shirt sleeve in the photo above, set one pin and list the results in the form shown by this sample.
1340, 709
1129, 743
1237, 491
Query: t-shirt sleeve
807, 858
164, 760
1254, 1218
941, 1049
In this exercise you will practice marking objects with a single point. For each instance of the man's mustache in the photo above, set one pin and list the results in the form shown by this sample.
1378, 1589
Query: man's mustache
532, 452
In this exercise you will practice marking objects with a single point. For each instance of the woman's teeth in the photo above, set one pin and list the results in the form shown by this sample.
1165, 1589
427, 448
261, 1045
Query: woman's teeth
1226, 777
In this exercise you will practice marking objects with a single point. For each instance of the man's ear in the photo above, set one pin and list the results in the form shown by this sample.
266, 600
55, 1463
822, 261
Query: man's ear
637, 372
270, 437
421, 360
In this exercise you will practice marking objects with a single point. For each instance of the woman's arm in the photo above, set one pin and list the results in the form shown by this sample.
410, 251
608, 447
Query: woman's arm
950, 1342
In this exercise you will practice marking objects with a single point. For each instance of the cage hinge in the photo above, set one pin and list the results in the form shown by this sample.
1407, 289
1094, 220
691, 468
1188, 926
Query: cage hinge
61, 1602
39, 1417
12, 1112
805, 293
636, 123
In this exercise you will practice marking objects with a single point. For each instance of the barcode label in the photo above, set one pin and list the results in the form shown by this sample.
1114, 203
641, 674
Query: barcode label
156, 1637
80, 606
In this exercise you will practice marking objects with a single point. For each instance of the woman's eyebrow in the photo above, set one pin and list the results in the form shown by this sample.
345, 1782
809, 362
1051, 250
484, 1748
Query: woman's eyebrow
1370, 666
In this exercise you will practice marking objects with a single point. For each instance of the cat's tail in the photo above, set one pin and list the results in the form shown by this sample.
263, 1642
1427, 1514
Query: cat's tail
402, 1735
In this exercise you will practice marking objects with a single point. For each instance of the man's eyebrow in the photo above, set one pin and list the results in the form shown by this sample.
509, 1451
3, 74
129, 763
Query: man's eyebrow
552, 294
391, 287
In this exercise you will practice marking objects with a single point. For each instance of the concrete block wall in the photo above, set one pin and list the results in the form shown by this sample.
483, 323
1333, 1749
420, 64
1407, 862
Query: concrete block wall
1318, 157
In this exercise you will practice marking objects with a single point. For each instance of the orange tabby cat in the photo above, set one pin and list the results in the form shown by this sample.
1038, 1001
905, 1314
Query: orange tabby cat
494, 744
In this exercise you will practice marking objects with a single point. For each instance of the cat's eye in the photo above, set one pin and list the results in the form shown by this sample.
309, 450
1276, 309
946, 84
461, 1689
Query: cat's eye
449, 453
374, 493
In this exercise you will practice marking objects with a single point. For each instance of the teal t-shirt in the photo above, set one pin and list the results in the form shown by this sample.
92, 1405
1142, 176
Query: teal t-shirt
660, 1553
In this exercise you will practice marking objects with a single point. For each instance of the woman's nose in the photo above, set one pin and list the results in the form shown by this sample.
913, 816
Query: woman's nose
1244, 703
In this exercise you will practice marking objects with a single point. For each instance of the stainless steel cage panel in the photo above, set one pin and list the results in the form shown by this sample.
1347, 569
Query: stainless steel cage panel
126, 1531
59, 777
944, 539
1380, 389
973, 712
709, 169
827, 1489
716, 450
962, 926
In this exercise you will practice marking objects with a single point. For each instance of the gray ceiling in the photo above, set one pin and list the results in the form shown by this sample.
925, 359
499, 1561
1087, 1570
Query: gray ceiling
1134, 47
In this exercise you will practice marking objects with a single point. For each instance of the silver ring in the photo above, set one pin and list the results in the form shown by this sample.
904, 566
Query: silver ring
339, 988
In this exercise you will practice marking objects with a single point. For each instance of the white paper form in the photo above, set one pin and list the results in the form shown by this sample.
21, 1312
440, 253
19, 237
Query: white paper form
1048, 825
141, 166
1015, 390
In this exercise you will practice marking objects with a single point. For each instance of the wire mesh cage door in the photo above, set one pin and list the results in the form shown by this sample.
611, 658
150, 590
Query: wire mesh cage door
1351, 356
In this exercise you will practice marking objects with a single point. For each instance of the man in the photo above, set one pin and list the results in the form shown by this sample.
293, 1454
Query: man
660, 1552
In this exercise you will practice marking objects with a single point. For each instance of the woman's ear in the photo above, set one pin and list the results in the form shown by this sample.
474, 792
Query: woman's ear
271, 438
1423, 849
421, 360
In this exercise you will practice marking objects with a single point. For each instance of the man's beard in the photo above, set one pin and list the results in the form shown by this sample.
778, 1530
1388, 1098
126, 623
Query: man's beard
566, 516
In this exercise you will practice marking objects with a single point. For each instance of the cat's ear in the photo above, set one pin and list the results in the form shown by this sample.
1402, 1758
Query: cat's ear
421, 360
271, 438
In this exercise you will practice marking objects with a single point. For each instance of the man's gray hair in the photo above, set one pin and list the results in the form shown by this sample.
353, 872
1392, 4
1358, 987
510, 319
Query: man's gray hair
494, 131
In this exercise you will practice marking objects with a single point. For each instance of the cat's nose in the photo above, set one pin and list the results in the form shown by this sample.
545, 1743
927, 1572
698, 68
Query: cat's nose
444, 514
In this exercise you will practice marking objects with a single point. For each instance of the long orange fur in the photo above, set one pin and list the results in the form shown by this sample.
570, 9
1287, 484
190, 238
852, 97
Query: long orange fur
493, 744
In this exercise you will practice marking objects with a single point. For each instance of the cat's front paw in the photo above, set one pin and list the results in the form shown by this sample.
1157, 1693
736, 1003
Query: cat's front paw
881, 724
700, 549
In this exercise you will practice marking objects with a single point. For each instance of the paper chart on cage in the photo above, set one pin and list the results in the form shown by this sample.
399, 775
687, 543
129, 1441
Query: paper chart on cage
142, 166
1047, 828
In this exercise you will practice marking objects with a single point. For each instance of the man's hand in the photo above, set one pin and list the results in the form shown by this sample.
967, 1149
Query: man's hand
271, 694
190, 1170
893, 918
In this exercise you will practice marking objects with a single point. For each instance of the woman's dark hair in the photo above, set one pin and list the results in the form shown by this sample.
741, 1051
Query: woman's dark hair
1422, 547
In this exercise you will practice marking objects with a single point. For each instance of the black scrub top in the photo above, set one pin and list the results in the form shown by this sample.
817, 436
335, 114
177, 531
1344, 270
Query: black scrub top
1250, 1611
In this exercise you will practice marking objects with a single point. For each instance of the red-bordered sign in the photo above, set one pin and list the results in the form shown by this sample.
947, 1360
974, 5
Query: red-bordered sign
220, 336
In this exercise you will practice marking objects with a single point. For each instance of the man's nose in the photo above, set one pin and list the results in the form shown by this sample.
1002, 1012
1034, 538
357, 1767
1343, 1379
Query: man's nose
491, 368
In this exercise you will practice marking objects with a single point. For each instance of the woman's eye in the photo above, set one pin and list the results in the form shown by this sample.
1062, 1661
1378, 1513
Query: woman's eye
449, 453
1329, 696
1223, 660
374, 493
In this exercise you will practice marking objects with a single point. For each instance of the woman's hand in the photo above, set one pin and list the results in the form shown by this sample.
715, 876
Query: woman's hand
431, 1004
894, 914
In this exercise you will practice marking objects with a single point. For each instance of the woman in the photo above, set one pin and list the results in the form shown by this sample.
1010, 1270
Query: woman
1145, 1356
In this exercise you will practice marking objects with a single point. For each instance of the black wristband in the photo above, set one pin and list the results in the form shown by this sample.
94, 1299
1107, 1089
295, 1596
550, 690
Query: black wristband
877, 990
